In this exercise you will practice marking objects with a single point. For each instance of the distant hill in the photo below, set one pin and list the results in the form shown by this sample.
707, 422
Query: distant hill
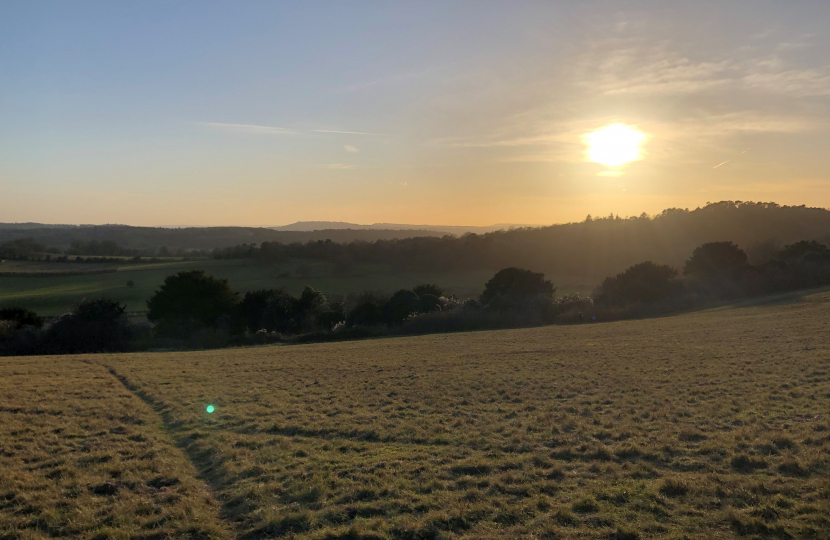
149, 239
446, 229
593, 248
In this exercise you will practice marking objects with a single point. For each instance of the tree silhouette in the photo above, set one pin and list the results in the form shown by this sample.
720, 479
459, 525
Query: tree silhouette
513, 286
716, 259
189, 298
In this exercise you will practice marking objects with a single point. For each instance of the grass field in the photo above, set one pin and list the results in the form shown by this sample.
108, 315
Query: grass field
705, 425
51, 293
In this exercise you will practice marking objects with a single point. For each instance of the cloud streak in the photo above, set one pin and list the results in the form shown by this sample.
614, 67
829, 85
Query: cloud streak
248, 128
272, 130
337, 166
342, 132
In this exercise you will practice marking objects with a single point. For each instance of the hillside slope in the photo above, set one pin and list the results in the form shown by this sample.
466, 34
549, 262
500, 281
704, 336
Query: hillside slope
706, 425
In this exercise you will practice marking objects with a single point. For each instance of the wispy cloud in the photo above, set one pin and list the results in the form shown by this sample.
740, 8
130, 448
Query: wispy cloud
794, 82
351, 149
248, 128
338, 166
636, 69
750, 122
272, 130
616, 67
342, 132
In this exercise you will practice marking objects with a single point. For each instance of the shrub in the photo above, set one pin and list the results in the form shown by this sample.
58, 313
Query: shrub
252, 307
272, 310
331, 317
430, 302
21, 317
716, 259
514, 286
428, 288
366, 314
642, 283
808, 250
402, 304
190, 300
93, 326
573, 308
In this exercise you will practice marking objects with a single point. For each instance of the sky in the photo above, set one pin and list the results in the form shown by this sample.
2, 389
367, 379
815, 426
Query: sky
451, 113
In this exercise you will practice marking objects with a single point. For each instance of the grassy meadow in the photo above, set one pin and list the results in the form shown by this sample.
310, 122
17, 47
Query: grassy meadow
53, 288
705, 425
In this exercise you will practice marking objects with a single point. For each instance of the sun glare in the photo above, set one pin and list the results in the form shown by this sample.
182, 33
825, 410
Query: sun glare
614, 145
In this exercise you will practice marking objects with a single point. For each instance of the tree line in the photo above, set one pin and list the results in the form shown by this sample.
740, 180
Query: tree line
595, 247
194, 310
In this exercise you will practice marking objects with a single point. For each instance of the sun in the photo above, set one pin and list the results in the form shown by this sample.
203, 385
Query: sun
614, 145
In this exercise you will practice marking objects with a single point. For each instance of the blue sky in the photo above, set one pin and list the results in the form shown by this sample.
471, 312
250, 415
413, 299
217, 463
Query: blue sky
265, 113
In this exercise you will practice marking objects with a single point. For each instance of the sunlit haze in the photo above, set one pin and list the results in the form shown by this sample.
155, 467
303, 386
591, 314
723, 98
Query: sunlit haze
462, 113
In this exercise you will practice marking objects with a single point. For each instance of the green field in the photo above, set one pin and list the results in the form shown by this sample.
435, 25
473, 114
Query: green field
705, 425
50, 293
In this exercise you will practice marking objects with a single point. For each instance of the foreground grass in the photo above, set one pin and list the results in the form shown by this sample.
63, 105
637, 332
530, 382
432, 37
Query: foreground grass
82, 457
706, 425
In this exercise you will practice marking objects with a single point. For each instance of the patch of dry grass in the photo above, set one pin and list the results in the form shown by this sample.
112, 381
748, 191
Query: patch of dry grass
82, 457
707, 425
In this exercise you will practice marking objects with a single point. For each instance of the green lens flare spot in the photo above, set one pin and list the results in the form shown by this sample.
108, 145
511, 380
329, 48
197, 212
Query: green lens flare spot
210, 409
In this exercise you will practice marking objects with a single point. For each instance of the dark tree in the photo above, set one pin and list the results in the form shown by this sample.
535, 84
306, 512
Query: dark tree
281, 314
402, 304
255, 304
429, 302
21, 317
334, 315
191, 298
366, 314
21, 248
716, 259
642, 283
514, 286
808, 250
428, 288
311, 304
93, 326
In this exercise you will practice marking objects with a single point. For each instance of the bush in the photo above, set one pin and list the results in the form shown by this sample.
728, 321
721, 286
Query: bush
21, 317
189, 300
430, 302
573, 308
517, 289
402, 304
806, 250
366, 314
93, 326
716, 259
272, 310
428, 288
642, 283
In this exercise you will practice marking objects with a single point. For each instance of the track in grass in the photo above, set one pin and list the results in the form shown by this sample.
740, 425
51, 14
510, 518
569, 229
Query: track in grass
83, 458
